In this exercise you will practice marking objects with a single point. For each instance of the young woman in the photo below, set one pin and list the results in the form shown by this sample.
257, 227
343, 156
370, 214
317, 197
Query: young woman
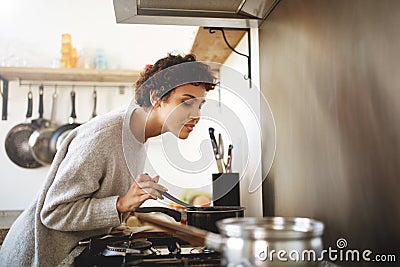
97, 176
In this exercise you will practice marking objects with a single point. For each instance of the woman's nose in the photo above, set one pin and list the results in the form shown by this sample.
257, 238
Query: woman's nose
195, 113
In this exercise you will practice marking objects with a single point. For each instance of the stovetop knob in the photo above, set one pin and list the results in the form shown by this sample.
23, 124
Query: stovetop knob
174, 248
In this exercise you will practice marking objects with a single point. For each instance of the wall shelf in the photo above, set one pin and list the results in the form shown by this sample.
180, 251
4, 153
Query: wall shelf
213, 48
59, 76
69, 75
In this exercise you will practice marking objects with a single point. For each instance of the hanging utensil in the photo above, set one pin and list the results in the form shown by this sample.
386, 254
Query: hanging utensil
61, 133
39, 141
16, 141
94, 112
41, 122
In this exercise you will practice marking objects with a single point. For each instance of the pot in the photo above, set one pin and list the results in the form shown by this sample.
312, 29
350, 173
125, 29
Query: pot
258, 241
255, 241
201, 217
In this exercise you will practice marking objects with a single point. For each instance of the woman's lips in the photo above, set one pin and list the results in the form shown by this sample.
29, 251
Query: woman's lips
189, 127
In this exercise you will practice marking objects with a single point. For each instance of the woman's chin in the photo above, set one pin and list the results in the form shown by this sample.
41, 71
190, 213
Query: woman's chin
183, 134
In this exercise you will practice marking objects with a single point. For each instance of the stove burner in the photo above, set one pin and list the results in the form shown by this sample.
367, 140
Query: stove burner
174, 248
145, 249
201, 250
138, 247
130, 246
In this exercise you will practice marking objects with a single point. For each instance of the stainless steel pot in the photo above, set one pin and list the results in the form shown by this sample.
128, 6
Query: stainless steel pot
270, 241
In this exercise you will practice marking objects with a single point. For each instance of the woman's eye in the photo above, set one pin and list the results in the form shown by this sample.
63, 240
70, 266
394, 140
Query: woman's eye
187, 103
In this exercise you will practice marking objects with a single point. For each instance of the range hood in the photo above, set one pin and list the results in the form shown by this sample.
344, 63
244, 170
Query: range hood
208, 13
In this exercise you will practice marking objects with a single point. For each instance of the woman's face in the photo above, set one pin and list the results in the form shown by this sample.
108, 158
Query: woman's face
181, 111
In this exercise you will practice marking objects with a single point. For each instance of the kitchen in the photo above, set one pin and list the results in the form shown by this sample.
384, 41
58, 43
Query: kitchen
327, 70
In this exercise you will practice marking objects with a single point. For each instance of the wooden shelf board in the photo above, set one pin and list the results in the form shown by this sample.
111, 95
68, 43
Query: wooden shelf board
212, 47
74, 75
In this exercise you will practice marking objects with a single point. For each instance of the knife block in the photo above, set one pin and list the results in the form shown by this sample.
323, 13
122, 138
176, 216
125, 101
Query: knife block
226, 189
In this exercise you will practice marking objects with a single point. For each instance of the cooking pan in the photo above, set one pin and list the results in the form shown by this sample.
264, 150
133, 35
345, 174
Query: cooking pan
39, 141
61, 133
252, 241
201, 217
16, 142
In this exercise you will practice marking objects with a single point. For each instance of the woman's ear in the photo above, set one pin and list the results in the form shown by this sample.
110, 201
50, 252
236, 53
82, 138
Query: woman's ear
154, 100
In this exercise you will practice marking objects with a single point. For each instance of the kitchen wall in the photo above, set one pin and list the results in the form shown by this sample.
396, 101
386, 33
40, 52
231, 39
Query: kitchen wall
31, 37
330, 71
35, 41
31, 34
243, 102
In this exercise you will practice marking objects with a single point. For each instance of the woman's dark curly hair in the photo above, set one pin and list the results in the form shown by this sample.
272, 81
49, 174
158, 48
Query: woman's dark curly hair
168, 73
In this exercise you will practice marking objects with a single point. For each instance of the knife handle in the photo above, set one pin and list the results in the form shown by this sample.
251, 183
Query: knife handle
213, 140
229, 160
220, 145
220, 165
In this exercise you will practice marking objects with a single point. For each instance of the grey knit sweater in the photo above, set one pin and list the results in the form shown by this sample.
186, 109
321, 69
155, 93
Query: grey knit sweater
78, 198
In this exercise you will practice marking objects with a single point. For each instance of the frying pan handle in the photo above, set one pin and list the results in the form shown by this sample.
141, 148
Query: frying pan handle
73, 113
41, 101
173, 213
54, 107
94, 112
30, 104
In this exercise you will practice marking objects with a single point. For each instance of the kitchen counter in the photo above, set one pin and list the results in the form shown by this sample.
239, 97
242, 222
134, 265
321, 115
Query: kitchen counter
69, 260
3, 233
7, 218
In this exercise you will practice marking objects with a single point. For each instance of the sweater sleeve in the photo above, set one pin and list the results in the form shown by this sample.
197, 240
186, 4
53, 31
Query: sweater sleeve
70, 203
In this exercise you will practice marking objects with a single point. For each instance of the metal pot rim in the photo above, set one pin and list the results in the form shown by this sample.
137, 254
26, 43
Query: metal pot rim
271, 227
216, 209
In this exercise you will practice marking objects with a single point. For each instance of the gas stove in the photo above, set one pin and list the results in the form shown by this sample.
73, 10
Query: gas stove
145, 249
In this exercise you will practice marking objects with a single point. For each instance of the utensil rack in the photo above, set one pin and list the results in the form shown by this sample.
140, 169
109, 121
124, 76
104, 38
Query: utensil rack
64, 77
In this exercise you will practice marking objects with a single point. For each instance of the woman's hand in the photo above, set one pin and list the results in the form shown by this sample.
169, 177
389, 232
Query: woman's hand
142, 189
